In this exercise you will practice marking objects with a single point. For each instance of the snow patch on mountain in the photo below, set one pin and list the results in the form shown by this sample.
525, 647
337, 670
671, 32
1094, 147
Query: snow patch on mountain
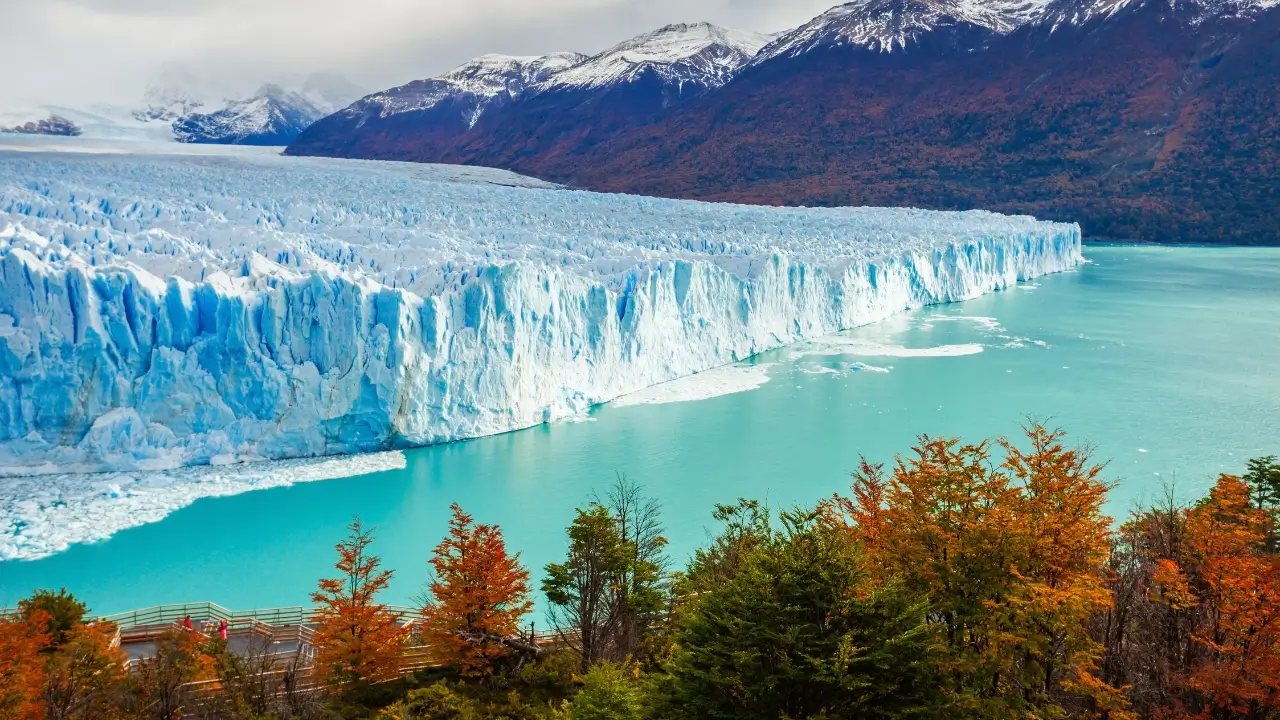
1075, 13
492, 75
700, 53
473, 86
895, 25
167, 103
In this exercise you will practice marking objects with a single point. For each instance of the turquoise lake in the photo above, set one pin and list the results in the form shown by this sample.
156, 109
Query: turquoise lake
1164, 360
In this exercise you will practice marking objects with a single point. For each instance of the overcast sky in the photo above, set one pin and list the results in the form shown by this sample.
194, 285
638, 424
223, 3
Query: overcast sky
86, 51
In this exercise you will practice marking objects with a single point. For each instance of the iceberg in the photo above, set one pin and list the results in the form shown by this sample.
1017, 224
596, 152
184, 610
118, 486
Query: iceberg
160, 311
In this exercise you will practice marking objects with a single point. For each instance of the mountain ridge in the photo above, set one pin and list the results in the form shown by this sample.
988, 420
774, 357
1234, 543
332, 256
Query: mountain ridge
1142, 119
629, 83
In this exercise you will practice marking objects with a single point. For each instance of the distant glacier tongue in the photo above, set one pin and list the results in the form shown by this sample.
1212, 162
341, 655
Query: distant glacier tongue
164, 311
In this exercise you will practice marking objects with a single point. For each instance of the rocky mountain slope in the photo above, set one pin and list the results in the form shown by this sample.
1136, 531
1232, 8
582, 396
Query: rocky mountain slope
1149, 120
52, 125
536, 105
1145, 121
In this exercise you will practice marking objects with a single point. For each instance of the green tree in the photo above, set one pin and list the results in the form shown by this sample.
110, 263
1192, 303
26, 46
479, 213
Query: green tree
800, 631
65, 613
642, 585
611, 590
583, 590
745, 526
1263, 477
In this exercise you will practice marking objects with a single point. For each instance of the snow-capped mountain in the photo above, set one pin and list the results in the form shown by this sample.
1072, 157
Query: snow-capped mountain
629, 82
699, 54
184, 110
167, 103
1148, 119
1078, 13
493, 75
895, 25
469, 89
273, 116
94, 122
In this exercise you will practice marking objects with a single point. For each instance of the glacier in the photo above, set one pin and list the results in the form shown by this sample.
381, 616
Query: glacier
160, 311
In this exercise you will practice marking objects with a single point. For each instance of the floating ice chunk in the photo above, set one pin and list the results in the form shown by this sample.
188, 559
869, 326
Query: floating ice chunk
852, 346
820, 370
704, 385
987, 324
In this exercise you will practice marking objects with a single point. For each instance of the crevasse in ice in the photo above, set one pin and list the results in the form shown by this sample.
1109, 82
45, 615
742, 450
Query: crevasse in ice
163, 311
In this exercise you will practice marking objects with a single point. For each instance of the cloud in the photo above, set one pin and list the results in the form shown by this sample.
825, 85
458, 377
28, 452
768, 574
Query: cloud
82, 51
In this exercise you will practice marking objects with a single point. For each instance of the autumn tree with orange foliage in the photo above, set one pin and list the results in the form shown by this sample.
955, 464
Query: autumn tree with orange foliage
357, 639
22, 667
1226, 584
81, 673
1011, 560
477, 597
85, 676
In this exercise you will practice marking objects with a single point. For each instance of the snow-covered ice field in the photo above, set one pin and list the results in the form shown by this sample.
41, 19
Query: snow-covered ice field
166, 310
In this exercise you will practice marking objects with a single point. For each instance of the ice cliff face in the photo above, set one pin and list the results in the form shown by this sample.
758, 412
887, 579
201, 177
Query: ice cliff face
157, 312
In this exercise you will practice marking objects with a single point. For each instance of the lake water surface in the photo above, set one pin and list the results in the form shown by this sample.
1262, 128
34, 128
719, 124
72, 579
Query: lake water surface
1162, 359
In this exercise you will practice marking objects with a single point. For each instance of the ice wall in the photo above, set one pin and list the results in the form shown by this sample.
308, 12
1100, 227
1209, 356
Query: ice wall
157, 312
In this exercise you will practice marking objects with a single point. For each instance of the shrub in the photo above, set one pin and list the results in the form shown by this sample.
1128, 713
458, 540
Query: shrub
609, 692
434, 702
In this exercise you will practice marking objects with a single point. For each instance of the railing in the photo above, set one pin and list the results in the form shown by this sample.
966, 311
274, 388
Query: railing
275, 625
159, 614
282, 616
155, 615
